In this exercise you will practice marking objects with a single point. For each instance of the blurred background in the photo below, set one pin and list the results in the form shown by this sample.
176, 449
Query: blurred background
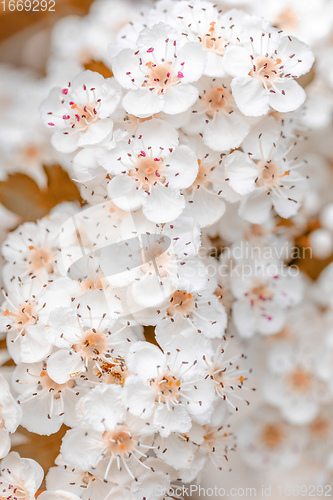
25, 42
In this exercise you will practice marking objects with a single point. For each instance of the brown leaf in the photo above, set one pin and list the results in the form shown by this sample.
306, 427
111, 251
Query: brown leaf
21, 195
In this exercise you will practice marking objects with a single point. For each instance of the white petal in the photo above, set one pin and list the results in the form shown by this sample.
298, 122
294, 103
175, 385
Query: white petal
63, 365
180, 98
237, 61
65, 143
4, 443
226, 132
158, 135
250, 96
81, 448
244, 318
290, 96
125, 67
176, 419
96, 132
297, 57
139, 398
151, 291
164, 204
146, 360
175, 451
143, 103
125, 193
242, 172
193, 56
182, 168
256, 208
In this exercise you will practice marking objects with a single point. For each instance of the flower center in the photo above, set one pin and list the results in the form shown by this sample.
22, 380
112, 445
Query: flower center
213, 42
181, 304
97, 283
299, 380
160, 77
50, 386
119, 442
216, 100
269, 175
81, 117
41, 258
272, 435
113, 372
320, 428
259, 293
287, 19
148, 171
266, 69
167, 388
91, 345
24, 316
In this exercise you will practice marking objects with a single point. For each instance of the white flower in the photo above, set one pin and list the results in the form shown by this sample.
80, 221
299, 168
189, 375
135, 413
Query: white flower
10, 416
265, 65
149, 171
264, 290
213, 441
213, 30
264, 175
159, 72
46, 405
228, 374
81, 112
266, 441
202, 310
88, 338
216, 116
33, 248
25, 313
20, 477
109, 435
292, 384
170, 386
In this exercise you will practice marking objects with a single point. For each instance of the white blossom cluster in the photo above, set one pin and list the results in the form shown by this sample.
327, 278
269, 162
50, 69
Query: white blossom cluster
201, 156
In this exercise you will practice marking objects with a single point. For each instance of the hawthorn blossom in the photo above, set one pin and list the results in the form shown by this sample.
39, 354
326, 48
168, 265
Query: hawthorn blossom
211, 28
33, 248
168, 386
46, 405
201, 310
292, 384
25, 313
159, 72
149, 171
109, 435
263, 290
20, 477
266, 441
216, 116
89, 337
263, 175
81, 112
227, 374
265, 65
